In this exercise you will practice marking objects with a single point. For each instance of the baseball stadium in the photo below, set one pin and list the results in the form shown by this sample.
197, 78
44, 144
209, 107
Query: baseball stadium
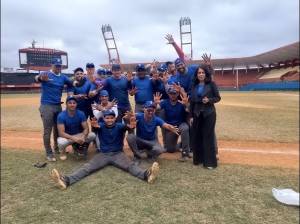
257, 131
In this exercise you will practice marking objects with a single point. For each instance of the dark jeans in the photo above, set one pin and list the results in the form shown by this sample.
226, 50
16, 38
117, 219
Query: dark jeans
100, 160
203, 140
49, 117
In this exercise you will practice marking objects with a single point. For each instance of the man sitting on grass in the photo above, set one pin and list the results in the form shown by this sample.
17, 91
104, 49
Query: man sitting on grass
111, 136
73, 129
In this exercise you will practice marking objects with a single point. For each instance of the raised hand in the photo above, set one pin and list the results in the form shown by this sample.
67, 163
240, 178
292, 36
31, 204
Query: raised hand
94, 123
129, 76
205, 100
169, 38
177, 87
133, 91
206, 59
184, 99
44, 77
132, 121
155, 75
156, 97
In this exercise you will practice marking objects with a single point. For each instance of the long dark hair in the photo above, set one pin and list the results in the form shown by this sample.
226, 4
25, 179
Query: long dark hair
207, 72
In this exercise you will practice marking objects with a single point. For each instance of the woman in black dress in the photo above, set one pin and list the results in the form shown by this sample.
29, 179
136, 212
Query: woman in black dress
204, 95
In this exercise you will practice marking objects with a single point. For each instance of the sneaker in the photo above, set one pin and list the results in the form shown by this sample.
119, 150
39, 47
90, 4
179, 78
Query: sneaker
152, 172
63, 156
210, 167
51, 158
58, 179
190, 155
183, 159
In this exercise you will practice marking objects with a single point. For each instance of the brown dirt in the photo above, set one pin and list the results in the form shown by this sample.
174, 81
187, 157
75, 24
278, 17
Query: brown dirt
266, 154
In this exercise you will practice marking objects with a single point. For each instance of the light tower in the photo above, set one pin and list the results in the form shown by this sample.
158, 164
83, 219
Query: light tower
186, 44
113, 54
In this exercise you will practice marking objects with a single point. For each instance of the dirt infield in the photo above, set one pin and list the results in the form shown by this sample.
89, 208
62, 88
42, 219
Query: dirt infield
266, 154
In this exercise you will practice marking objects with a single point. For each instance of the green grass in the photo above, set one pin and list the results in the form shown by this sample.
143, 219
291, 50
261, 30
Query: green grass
253, 116
183, 193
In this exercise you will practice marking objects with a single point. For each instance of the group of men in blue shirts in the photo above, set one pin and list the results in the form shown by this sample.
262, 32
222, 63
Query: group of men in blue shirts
105, 101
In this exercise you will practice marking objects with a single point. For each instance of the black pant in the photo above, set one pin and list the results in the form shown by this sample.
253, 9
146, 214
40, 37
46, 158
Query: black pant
203, 140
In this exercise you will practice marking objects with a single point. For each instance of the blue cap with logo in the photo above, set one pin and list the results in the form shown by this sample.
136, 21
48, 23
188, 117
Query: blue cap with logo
162, 68
56, 61
69, 98
149, 104
140, 68
103, 93
108, 113
178, 62
101, 71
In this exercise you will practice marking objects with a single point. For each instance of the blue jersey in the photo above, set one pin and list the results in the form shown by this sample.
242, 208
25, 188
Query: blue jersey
184, 80
144, 89
52, 89
118, 89
174, 114
111, 138
147, 130
72, 124
82, 104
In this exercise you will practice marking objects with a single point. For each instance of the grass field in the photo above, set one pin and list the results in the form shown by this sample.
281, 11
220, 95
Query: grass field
252, 116
183, 193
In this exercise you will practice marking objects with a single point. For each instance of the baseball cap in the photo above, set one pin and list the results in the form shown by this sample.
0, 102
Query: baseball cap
108, 112
101, 71
172, 90
108, 72
149, 104
78, 70
56, 61
71, 98
90, 65
178, 62
115, 67
140, 68
103, 93
162, 68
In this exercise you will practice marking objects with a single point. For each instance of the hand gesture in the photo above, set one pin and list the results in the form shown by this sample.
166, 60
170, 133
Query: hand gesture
165, 77
206, 59
155, 75
174, 129
44, 77
127, 115
112, 103
170, 39
129, 76
133, 91
156, 97
94, 123
177, 87
205, 100
184, 99
132, 121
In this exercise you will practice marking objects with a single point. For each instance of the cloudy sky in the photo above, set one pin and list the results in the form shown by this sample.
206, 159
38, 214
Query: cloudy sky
224, 28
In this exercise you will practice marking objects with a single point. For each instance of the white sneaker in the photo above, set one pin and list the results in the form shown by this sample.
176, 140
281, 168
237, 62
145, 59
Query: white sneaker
153, 172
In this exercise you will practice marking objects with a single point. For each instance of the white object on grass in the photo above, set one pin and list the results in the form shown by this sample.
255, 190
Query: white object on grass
286, 196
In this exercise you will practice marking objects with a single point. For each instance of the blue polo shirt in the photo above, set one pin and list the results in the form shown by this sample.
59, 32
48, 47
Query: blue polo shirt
52, 89
147, 130
111, 138
174, 114
185, 80
72, 124
82, 104
144, 89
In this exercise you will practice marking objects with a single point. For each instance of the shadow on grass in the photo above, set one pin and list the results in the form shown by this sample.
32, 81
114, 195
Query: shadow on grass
183, 193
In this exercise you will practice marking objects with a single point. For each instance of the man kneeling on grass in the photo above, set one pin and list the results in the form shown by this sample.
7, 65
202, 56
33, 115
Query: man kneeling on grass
111, 137
73, 130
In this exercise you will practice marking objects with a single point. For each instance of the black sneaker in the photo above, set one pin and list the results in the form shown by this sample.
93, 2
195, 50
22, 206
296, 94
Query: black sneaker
59, 179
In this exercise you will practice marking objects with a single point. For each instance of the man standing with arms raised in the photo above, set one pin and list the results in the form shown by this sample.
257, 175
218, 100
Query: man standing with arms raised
52, 85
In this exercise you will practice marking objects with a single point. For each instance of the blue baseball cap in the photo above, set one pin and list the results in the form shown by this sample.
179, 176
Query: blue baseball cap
69, 98
108, 112
140, 68
56, 61
78, 69
115, 67
90, 65
103, 93
178, 62
149, 104
172, 90
162, 68
101, 71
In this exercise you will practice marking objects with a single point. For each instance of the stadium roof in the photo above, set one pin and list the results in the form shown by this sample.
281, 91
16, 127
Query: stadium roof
282, 54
